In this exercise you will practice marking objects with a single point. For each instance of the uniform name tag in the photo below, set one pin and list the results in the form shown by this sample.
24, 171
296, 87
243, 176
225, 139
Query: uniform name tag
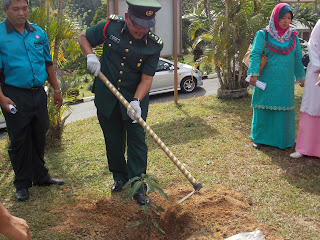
115, 39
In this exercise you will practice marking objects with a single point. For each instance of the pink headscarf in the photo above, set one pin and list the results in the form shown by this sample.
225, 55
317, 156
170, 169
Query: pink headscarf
274, 29
277, 20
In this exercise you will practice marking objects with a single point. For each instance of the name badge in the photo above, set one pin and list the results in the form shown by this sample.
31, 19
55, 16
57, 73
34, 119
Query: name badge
114, 39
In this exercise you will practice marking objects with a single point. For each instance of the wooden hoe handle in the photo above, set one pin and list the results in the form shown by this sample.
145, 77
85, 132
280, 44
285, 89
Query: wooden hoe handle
179, 165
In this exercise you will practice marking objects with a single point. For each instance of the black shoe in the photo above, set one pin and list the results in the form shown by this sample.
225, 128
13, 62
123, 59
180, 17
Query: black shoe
141, 198
22, 194
256, 145
117, 186
52, 181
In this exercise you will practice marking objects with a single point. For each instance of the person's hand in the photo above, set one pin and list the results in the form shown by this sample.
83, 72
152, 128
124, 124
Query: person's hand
318, 83
301, 83
135, 104
253, 80
4, 102
19, 229
57, 98
13, 227
93, 64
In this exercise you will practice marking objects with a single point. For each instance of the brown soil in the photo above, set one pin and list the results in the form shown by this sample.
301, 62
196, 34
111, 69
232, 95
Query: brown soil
209, 214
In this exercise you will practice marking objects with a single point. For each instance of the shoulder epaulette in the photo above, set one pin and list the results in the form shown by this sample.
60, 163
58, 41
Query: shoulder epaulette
155, 38
117, 18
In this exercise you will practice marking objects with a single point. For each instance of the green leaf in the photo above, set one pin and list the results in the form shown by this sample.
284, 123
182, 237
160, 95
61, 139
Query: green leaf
157, 206
131, 181
136, 187
127, 196
144, 208
161, 192
156, 224
154, 179
133, 191
150, 185
154, 210
136, 224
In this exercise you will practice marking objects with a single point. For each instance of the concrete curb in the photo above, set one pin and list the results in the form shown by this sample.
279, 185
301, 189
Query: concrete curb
209, 76
88, 99
214, 75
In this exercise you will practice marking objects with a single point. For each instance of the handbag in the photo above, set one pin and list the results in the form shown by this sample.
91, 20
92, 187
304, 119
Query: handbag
246, 58
305, 60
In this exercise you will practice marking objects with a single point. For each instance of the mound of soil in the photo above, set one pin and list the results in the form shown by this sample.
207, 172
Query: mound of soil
216, 213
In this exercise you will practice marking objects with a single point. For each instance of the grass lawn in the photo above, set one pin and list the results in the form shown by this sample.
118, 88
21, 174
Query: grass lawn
211, 137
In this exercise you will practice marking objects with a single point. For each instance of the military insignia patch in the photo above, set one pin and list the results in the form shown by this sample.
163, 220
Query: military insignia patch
149, 13
114, 39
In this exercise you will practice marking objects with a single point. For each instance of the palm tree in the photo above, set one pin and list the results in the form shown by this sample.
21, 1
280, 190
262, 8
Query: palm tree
227, 27
57, 32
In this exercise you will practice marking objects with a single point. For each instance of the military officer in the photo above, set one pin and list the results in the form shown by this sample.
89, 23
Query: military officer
130, 56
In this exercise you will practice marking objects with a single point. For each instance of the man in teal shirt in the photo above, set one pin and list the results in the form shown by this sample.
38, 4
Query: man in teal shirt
25, 64
130, 56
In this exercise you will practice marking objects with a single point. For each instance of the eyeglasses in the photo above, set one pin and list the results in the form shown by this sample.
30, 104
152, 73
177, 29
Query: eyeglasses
134, 24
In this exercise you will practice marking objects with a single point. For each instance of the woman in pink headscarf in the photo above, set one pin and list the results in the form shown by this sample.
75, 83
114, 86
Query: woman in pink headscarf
273, 119
308, 141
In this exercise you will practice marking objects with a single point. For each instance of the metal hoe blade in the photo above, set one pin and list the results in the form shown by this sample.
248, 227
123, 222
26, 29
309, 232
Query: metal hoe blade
196, 189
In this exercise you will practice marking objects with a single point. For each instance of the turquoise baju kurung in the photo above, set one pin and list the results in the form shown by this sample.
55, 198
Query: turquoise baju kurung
273, 121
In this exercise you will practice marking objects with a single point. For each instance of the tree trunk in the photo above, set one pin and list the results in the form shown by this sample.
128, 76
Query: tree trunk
30, 7
48, 14
58, 40
206, 8
228, 66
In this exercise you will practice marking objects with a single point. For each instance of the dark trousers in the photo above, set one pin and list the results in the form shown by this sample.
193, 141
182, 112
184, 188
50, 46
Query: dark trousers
117, 133
27, 130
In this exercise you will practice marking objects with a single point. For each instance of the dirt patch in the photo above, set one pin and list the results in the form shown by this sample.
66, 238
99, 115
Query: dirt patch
215, 213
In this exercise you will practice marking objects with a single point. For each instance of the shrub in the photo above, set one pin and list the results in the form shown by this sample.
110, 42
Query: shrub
73, 92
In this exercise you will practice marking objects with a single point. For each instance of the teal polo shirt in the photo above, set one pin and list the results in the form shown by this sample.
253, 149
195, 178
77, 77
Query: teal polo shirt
23, 58
123, 61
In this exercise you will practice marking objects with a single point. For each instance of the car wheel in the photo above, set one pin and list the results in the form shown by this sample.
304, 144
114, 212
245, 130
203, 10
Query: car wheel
188, 84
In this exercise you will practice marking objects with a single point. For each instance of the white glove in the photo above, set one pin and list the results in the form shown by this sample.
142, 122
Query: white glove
135, 104
93, 64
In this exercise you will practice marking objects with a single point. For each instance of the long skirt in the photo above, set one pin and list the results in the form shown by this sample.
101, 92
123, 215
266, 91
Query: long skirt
273, 127
308, 140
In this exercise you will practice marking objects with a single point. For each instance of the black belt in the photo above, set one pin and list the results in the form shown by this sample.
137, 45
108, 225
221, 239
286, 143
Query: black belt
33, 89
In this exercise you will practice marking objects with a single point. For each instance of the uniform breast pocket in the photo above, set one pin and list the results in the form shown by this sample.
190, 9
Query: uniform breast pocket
38, 49
112, 47
38, 45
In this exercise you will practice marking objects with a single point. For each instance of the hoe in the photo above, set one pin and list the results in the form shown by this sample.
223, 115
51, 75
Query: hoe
196, 185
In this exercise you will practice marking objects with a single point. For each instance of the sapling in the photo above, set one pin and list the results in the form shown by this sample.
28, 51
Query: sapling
146, 182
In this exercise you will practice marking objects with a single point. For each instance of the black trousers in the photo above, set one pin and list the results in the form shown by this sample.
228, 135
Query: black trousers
27, 130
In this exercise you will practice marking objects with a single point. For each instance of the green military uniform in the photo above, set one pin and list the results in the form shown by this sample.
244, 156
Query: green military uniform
123, 61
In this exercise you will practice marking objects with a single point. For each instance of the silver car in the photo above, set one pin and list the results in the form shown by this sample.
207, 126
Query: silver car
163, 81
